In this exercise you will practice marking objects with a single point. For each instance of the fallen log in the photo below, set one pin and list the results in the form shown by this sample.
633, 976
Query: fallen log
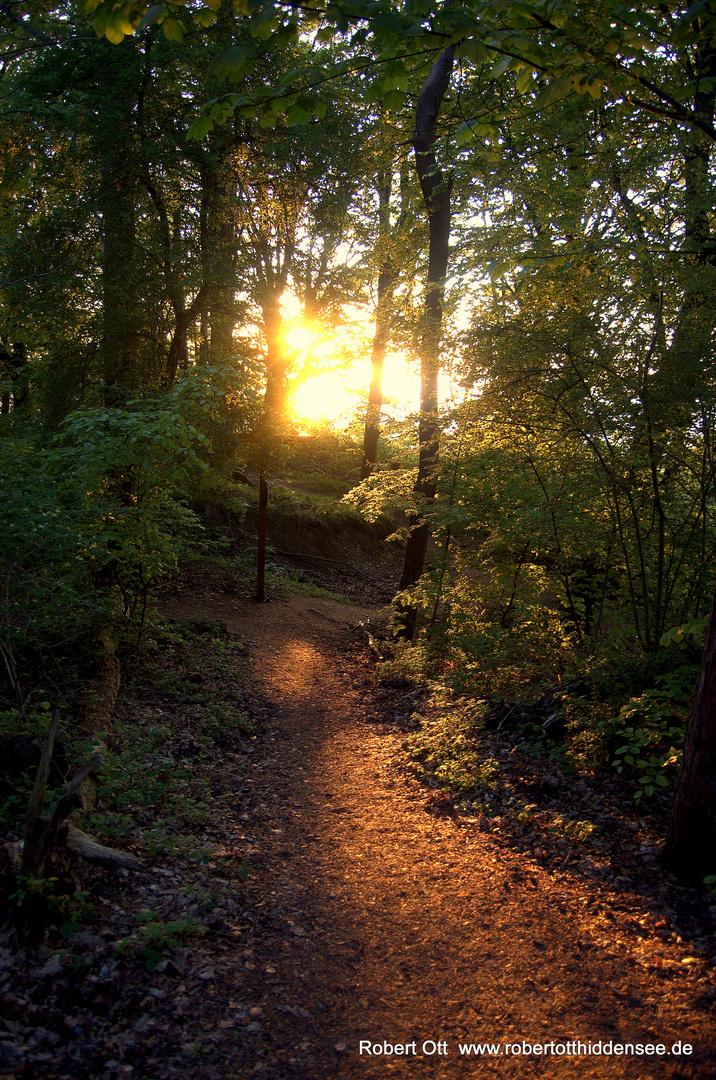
88, 848
41, 832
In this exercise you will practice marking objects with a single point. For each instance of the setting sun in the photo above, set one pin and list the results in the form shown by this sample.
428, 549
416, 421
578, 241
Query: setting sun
299, 339
336, 367
326, 396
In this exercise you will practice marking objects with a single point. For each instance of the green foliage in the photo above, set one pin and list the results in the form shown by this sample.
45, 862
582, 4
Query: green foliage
447, 753
578, 832
68, 908
386, 491
651, 729
148, 789
95, 519
687, 633
48, 590
154, 936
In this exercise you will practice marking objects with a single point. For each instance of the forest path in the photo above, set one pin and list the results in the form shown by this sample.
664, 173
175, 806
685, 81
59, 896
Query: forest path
376, 921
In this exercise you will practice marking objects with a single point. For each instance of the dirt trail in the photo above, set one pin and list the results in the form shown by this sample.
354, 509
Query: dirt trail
377, 921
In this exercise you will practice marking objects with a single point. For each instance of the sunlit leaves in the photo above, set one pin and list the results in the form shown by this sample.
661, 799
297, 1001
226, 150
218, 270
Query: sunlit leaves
294, 108
554, 91
114, 25
472, 130
567, 47
525, 81
587, 85
505, 63
499, 267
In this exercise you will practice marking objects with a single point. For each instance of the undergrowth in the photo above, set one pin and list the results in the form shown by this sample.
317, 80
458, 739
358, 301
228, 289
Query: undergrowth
180, 707
628, 719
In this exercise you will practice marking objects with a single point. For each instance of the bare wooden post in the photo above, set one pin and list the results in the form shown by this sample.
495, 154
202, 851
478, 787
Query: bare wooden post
263, 511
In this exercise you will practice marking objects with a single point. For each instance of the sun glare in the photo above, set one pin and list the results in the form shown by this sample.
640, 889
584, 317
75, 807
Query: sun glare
299, 339
326, 396
334, 395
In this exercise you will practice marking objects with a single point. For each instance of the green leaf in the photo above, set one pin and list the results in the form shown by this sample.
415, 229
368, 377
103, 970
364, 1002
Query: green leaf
554, 91
232, 62
525, 81
397, 77
394, 100
204, 17
221, 112
297, 115
506, 63
498, 268
474, 50
113, 25
200, 128
173, 29
264, 28
156, 14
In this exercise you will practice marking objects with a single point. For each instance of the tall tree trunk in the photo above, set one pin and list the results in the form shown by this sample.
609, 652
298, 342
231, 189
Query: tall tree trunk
116, 137
386, 285
170, 240
5, 369
436, 193
219, 244
178, 355
690, 848
119, 293
277, 359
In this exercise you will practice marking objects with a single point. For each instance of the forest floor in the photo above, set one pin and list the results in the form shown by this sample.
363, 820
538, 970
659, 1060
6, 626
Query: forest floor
364, 918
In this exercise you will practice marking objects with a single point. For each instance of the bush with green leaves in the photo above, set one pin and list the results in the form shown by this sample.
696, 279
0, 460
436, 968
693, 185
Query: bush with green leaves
96, 517
647, 734
449, 751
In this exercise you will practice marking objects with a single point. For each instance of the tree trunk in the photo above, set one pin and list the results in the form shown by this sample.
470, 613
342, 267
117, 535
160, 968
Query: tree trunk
116, 138
120, 299
219, 245
691, 840
386, 285
690, 848
277, 359
436, 193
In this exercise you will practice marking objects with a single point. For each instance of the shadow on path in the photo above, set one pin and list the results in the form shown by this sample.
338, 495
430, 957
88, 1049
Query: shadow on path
376, 923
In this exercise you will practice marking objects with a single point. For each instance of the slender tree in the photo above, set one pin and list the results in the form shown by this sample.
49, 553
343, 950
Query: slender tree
436, 189
386, 286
